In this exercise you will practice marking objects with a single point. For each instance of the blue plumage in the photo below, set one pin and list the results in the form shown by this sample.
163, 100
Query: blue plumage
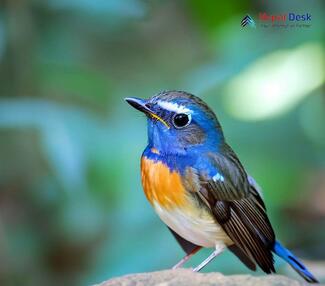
294, 262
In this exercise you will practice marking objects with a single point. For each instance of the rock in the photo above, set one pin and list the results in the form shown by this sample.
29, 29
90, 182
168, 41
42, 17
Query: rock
186, 277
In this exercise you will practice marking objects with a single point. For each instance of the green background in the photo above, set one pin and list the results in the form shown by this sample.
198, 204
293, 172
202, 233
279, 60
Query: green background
72, 210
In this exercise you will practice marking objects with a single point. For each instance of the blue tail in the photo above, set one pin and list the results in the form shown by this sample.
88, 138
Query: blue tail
297, 265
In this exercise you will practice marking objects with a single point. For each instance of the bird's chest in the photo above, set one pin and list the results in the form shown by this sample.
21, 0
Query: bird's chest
162, 185
176, 208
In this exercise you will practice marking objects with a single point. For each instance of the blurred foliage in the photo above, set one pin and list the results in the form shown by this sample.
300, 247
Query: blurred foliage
71, 207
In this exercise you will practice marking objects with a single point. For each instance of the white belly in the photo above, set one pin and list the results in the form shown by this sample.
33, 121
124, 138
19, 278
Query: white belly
196, 226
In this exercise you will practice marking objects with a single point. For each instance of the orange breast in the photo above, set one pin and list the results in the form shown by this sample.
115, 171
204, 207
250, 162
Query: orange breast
162, 185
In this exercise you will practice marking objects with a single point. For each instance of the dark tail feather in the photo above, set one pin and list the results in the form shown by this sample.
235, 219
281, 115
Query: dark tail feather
242, 256
294, 262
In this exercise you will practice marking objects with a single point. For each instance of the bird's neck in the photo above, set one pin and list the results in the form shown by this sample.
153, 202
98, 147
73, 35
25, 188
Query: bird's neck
174, 161
167, 146
179, 160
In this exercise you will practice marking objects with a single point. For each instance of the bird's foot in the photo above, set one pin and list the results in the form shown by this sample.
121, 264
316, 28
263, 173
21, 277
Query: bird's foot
186, 258
214, 254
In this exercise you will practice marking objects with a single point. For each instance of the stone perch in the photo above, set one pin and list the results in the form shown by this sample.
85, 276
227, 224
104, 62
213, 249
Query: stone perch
186, 277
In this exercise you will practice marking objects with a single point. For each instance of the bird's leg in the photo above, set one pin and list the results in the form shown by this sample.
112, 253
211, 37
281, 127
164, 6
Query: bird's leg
214, 254
186, 258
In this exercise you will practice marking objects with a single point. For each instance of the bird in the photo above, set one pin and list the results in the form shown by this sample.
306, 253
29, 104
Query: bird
199, 188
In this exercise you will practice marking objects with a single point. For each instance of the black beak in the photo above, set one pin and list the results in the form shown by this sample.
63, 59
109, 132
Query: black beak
139, 104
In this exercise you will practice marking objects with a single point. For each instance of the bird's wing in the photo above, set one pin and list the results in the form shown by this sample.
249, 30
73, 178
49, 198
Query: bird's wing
228, 180
237, 206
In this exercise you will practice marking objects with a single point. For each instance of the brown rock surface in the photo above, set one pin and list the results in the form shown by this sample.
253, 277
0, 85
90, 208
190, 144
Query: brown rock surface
185, 277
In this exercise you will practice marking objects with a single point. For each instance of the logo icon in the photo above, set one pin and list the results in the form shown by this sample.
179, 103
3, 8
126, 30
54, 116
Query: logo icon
248, 21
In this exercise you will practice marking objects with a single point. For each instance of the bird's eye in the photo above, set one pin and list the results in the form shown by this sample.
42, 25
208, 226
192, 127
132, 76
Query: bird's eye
181, 120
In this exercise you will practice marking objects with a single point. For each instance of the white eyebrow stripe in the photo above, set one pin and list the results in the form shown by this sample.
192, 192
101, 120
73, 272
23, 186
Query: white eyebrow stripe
172, 106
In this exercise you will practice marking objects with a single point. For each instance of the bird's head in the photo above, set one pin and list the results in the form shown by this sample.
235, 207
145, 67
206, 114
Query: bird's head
179, 122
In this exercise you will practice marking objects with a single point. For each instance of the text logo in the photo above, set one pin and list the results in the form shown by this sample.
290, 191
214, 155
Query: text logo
284, 17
